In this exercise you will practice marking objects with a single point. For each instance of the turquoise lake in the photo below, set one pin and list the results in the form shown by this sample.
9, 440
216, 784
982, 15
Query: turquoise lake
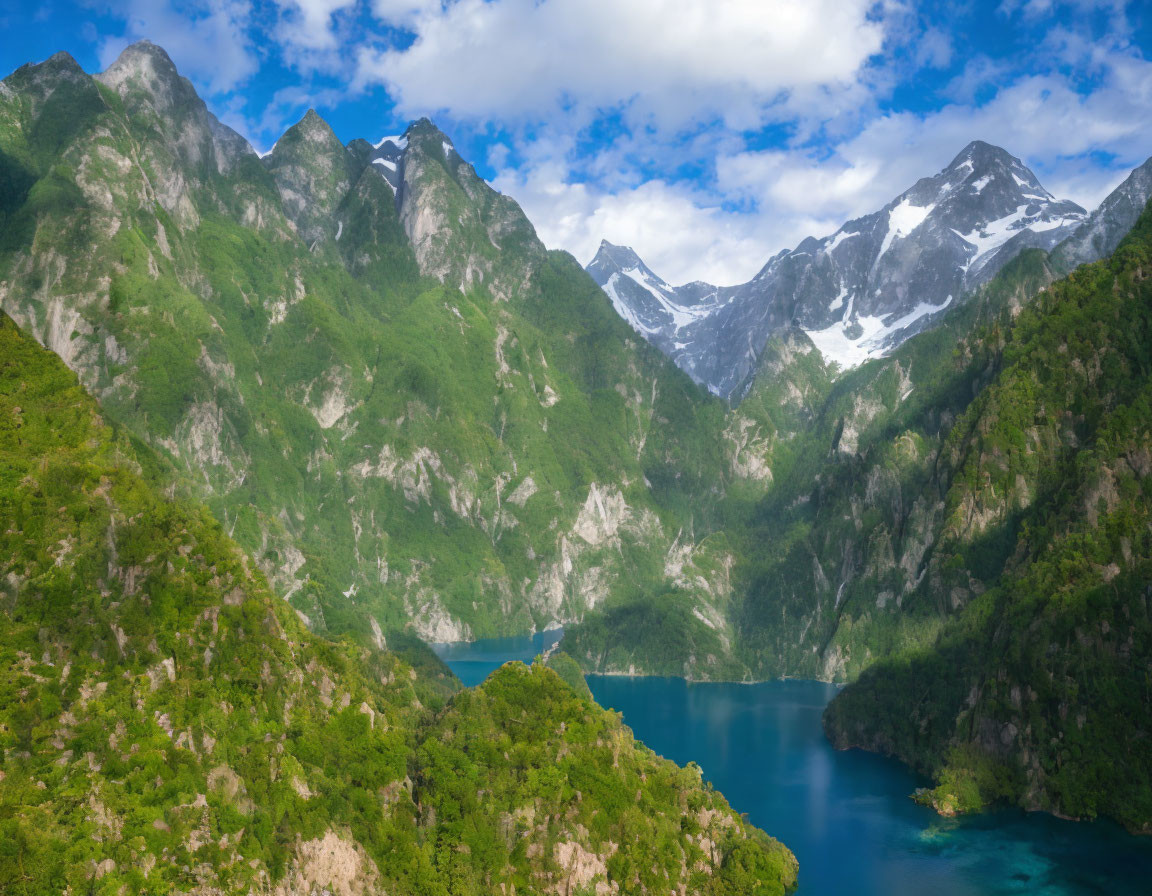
846, 815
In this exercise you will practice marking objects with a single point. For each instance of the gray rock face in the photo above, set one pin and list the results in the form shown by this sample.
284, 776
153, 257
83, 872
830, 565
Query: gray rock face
859, 292
313, 172
144, 75
654, 309
1098, 236
462, 231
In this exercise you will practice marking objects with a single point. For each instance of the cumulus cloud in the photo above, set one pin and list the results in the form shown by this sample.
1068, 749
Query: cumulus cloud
723, 229
667, 62
682, 235
307, 24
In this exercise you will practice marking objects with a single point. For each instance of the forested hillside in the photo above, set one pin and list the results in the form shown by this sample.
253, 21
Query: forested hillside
1039, 689
360, 357
168, 725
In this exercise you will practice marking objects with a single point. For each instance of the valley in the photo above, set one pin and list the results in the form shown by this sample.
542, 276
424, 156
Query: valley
271, 424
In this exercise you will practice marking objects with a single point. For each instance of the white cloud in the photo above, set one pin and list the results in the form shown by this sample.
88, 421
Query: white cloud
207, 39
775, 198
403, 13
307, 24
667, 62
683, 235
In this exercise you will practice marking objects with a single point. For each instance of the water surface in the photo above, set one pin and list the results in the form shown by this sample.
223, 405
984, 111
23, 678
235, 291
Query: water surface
474, 661
846, 815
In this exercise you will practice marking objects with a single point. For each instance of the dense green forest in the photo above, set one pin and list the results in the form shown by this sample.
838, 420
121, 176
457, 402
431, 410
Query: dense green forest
167, 724
1039, 689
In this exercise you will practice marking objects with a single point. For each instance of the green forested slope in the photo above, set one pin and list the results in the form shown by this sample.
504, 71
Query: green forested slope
844, 560
168, 725
1039, 690
402, 405
836, 564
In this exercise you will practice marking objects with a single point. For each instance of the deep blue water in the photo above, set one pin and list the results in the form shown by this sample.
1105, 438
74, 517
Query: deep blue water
473, 662
846, 815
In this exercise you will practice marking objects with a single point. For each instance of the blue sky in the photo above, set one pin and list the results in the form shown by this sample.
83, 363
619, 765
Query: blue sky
708, 134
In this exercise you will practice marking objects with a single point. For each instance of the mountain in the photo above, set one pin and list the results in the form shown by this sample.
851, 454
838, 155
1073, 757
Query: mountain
659, 312
361, 358
851, 553
167, 724
1035, 691
413, 418
959, 531
1103, 230
860, 292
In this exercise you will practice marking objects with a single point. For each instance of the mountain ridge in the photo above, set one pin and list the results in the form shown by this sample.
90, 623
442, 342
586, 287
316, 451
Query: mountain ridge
396, 398
860, 291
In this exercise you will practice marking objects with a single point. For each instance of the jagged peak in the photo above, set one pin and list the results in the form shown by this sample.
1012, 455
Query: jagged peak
313, 125
142, 57
422, 127
311, 134
987, 158
622, 256
61, 61
58, 65
148, 67
423, 133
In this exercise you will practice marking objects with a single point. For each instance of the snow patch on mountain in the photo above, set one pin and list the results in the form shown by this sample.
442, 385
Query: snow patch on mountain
624, 309
399, 141
902, 220
838, 239
837, 345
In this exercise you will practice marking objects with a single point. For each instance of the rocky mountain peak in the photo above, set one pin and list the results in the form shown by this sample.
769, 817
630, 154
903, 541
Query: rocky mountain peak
40, 80
979, 154
423, 128
610, 255
155, 92
55, 65
1103, 230
860, 292
313, 171
311, 134
423, 138
147, 67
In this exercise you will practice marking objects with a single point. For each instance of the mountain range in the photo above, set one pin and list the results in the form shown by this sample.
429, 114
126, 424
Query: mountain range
360, 356
361, 379
876, 281
269, 422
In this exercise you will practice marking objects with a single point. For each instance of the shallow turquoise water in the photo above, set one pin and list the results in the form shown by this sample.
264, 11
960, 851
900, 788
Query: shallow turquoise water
846, 815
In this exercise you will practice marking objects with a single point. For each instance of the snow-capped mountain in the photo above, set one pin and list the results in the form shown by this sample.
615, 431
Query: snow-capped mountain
859, 292
651, 306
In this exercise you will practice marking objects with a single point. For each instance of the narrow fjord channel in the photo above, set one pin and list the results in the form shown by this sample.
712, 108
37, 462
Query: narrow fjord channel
846, 815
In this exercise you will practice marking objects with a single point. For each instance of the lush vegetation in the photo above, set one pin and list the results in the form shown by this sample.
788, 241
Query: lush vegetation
449, 428
571, 783
167, 724
1039, 690
414, 418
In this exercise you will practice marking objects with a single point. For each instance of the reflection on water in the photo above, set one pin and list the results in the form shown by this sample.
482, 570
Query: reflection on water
846, 815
